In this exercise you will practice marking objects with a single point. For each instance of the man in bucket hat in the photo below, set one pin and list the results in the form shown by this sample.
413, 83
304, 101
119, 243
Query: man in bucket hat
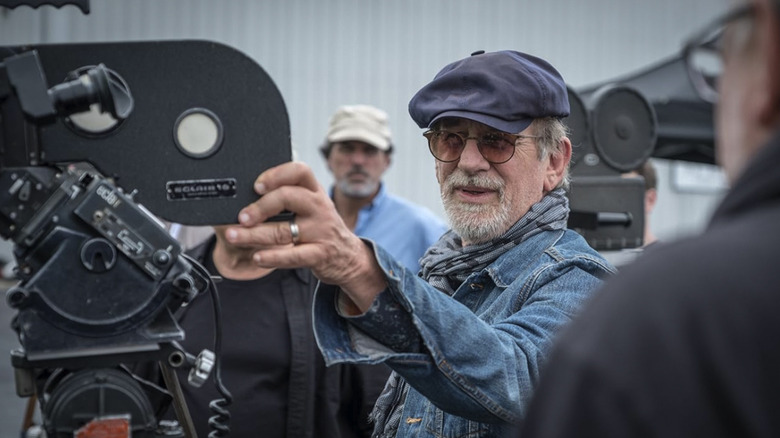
467, 337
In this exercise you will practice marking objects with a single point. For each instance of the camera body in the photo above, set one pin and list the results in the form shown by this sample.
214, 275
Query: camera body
100, 278
97, 272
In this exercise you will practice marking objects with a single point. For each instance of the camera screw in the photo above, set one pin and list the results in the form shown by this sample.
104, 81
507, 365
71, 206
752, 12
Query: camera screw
161, 257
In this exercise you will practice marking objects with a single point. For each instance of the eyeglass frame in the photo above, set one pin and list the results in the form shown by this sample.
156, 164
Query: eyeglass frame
516, 137
700, 41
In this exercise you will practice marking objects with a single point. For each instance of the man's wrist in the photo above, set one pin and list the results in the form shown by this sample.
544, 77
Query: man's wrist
360, 291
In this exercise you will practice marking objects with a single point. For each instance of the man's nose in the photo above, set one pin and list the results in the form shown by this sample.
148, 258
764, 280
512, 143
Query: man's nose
471, 158
358, 156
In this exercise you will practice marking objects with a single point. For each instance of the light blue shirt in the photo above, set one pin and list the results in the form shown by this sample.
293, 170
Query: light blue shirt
402, 228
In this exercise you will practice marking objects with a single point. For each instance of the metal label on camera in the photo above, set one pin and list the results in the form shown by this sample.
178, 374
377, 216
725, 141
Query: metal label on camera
201, 189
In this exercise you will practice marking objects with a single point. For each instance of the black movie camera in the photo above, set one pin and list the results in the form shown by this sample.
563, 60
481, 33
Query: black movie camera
612, 132
124, 133
617, 125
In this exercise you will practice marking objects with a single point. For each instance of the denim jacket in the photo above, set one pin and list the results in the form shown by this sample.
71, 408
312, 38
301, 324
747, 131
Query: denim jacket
479, 352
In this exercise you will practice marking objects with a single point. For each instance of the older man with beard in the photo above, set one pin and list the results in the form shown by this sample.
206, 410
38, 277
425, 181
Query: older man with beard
467, 337
358, 152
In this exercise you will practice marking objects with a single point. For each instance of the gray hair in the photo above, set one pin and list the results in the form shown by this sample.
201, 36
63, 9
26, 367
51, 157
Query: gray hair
551, 132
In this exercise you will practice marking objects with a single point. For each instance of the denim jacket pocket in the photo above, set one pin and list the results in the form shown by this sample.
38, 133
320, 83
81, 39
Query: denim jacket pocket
440, 425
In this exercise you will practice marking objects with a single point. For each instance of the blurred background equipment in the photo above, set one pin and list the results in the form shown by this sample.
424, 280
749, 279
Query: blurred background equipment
685, 129
615, 127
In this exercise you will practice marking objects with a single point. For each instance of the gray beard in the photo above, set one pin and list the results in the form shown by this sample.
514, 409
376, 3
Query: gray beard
475, 223
364, 190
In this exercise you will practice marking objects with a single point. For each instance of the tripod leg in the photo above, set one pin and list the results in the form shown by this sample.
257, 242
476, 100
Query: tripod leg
179, 405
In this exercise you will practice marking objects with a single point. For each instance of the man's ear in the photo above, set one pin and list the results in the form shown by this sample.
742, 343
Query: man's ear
651, 196
559, 162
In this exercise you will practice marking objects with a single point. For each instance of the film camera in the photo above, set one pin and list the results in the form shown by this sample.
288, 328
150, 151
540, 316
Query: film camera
613, 131
87, 164
618, 124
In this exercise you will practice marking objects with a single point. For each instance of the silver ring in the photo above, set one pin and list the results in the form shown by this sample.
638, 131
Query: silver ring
295, 232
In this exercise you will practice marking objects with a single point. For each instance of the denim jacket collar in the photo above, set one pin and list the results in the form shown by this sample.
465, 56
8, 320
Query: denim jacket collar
509, 266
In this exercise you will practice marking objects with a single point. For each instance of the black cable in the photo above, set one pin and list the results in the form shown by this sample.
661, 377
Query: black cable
220, 422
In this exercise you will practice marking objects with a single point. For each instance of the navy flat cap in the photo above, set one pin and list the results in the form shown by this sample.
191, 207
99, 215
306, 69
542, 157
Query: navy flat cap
505, 90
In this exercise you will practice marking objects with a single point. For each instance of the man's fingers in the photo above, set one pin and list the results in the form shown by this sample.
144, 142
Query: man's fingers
289, 257
265, 234
293, 173
288, 187
287, 198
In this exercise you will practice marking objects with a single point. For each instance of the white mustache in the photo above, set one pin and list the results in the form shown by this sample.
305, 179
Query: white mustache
459, 178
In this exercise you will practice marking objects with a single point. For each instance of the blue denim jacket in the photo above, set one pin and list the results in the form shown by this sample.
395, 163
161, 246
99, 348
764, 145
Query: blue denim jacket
479, 351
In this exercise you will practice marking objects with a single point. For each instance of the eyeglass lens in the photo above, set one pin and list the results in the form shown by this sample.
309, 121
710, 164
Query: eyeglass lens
706, 65
448, 146
704, 53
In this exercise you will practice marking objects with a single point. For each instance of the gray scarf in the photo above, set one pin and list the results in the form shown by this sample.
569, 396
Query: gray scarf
446, 265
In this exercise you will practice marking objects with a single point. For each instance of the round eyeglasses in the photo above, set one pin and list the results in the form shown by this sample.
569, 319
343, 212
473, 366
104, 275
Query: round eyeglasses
496, 147
703, 53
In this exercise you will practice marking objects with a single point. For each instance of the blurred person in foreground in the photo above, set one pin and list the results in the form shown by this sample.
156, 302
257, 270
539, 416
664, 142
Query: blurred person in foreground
684, 342
358, 152
467, 337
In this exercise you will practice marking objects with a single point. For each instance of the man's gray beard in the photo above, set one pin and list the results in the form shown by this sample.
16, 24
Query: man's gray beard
364, 190
475, 223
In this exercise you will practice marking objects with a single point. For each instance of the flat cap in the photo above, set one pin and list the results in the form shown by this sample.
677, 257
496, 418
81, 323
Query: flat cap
505, 90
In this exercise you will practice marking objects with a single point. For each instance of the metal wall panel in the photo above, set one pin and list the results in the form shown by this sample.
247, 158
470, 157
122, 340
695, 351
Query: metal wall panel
325, 53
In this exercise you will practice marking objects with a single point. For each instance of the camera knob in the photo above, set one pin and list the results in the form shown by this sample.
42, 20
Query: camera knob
161, 257
16, 296
201, 369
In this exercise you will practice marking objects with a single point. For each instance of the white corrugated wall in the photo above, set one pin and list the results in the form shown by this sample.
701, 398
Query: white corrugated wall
324, 53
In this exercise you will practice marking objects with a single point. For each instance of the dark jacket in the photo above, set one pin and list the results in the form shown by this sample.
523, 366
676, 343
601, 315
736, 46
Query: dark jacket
321, 401
683, 342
